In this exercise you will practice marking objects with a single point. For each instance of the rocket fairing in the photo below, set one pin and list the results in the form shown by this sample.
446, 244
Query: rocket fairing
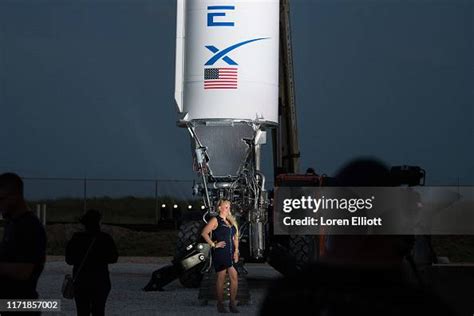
227, 60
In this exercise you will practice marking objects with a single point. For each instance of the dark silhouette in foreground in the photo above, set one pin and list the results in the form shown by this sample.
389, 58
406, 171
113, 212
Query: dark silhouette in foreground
92, 283
23, 246
359, 274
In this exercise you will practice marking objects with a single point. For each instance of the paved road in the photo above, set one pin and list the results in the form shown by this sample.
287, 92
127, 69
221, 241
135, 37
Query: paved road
126, 297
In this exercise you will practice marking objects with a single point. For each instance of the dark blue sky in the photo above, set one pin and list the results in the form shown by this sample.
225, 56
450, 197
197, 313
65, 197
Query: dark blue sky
86, 87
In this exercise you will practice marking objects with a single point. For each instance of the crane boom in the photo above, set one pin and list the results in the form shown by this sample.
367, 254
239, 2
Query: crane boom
286, 151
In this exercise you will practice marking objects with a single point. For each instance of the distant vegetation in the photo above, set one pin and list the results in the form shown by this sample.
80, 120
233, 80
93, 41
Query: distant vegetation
125, 210
161, 241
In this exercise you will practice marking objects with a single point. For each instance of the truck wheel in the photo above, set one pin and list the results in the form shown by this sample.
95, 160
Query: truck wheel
189, 233
302, 249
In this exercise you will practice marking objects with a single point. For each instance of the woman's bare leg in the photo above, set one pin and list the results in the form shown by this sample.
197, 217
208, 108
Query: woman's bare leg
234, 280
220, 288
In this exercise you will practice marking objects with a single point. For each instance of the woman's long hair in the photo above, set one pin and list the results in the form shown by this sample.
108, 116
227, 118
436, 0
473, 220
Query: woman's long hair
230, 218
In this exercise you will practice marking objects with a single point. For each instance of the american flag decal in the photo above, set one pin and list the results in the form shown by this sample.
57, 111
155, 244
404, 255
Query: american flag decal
220, 78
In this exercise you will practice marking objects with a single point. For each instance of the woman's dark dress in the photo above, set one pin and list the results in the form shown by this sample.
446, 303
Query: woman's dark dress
222, 258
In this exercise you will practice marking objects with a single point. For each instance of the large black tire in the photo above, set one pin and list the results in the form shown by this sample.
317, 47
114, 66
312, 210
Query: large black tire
302, 249
189, 232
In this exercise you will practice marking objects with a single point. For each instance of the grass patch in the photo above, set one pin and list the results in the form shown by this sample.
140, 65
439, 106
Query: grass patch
125, 210
129, 242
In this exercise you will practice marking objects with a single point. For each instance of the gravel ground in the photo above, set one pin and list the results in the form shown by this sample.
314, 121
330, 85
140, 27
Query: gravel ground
129, 275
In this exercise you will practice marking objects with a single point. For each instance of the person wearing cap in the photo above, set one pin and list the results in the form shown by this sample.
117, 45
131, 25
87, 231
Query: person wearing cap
90, 252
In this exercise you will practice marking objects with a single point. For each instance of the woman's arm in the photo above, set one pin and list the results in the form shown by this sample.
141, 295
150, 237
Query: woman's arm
212, 225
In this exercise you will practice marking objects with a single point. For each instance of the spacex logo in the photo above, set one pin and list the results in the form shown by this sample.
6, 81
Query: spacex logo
217, 77
222, 54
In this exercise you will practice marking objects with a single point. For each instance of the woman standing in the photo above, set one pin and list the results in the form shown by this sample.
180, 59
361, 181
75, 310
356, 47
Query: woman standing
90, 252
225, 252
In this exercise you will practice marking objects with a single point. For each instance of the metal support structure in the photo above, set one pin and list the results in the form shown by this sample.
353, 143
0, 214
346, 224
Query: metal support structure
285, 138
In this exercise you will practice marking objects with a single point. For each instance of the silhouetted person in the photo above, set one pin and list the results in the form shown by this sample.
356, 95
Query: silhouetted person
92, 283
23, 246
360, 274
363, 249
310, 172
